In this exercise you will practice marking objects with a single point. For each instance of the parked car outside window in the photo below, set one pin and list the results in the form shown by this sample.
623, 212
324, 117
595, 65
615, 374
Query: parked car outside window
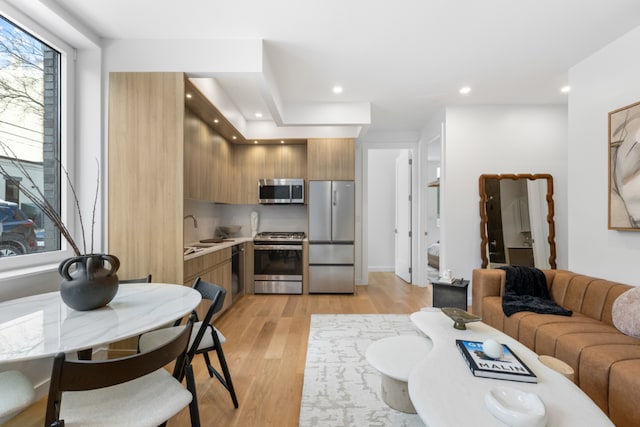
18, 231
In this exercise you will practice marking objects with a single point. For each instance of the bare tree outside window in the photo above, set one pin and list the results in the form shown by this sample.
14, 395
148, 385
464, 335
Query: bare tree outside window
30, 128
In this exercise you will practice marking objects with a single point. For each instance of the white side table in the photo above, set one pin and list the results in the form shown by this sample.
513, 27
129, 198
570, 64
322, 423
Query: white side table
395, 357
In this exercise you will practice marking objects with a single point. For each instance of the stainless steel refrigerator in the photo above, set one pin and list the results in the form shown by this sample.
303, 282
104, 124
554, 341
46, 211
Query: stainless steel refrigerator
331, 235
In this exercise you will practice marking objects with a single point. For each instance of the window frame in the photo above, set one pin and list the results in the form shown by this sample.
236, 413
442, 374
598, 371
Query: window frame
67, 139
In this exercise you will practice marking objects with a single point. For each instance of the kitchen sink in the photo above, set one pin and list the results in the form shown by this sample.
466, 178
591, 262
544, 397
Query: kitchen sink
203, 245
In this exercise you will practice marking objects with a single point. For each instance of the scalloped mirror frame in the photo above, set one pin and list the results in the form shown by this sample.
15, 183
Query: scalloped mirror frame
551, 237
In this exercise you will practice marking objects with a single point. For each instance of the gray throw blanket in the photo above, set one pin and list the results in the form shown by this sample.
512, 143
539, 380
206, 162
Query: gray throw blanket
526, 290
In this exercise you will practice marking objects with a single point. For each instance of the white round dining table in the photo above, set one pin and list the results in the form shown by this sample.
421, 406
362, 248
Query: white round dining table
40, 326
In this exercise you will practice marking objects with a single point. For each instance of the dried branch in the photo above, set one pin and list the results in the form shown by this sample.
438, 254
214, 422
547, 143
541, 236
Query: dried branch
34, 194
95, 204
77, 202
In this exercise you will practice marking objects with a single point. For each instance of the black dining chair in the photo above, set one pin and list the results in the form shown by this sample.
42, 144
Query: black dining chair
135, 390
206, 337
137, 280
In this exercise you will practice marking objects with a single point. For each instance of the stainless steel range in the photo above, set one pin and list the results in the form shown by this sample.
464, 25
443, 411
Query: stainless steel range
278, 262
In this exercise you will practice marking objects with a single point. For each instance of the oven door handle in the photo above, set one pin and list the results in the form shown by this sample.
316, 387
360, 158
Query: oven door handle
277, 247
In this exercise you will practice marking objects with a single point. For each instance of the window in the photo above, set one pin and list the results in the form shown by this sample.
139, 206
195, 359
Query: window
30, 140
11, 192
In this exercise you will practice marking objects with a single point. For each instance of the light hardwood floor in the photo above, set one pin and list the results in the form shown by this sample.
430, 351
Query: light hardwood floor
266, 350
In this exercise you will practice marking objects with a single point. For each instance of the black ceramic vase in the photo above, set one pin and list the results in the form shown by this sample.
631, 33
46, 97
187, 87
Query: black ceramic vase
91, 285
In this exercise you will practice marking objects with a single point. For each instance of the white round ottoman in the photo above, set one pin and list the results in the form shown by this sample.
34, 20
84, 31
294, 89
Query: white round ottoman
394, 358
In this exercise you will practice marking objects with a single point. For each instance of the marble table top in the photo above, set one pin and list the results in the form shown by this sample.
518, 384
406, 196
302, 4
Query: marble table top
42, 325
444, 392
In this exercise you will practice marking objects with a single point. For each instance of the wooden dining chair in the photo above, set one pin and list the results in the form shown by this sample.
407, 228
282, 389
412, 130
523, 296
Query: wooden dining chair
135, 390
206, 337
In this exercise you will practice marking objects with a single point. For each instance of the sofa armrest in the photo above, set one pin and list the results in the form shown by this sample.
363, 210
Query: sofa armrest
484, 283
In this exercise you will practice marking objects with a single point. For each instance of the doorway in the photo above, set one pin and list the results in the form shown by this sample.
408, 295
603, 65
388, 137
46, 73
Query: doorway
383, 175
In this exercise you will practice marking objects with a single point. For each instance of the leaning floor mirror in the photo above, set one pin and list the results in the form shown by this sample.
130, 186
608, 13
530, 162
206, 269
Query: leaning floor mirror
516, 220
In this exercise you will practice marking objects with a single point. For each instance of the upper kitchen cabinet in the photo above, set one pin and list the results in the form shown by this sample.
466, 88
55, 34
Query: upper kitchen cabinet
146, 174
252, 162
207, 150
331, 159
206, 162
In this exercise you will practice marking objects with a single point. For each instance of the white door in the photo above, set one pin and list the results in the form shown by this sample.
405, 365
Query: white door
403, 216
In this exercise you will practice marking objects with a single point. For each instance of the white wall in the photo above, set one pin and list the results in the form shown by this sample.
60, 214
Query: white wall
498, 139
429, 158
381, 209
604, 82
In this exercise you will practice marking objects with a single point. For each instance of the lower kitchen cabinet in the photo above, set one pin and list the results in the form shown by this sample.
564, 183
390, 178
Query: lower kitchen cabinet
213, 268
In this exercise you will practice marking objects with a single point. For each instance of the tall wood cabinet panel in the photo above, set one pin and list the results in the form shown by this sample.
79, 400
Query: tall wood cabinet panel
146, 174
331, 159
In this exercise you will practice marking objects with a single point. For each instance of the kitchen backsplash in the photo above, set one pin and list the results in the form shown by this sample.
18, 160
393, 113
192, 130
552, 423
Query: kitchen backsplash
270, 218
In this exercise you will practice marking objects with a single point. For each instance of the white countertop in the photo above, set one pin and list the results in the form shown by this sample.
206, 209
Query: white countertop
216, 246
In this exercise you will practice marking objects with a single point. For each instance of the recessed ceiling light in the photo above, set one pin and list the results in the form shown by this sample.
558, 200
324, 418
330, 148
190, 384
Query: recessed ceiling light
281, 142
337, 89
565, 89
465, 90
255, 142
189, 96
259, 115
216, 121
234, 137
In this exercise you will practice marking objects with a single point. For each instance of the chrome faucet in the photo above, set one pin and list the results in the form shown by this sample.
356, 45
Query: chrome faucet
195, 221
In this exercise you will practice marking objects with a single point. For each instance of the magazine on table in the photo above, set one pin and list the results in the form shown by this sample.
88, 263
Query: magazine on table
507, 367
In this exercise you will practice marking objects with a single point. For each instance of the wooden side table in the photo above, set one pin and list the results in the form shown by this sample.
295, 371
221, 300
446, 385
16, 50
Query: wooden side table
451, 294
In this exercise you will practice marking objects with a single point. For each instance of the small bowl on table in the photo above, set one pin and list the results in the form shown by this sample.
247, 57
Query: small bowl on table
460, 317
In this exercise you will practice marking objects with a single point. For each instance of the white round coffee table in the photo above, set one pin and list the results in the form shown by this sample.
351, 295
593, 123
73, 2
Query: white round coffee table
395, 357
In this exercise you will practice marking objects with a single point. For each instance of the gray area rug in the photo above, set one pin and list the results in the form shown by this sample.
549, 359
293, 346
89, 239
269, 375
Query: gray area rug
340, 387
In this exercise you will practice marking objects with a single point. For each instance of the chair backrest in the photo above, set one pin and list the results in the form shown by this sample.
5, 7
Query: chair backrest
79, 375
211, 292
138, 280
214, 293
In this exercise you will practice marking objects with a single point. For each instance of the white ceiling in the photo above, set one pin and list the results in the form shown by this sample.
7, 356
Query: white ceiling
403, 59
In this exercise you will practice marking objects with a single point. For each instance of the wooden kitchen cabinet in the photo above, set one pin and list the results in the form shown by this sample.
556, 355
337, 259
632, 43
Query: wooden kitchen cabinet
198, 159
146, 178
214, 268
331, 159
146, 174
252, 162
207, 163
247, 268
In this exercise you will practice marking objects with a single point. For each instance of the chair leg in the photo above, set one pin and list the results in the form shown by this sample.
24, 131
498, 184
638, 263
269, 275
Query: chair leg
225, 369
207, 362
194, 412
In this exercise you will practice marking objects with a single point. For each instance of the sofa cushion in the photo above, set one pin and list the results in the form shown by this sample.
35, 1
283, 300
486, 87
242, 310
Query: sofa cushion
548, 335
569, 347
623, 411
595, 368
528, 330
626, 312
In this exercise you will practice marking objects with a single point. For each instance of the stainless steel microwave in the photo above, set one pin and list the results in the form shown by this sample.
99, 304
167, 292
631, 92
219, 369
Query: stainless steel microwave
281, 191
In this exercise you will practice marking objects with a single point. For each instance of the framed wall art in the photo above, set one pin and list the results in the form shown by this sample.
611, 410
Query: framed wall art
624, 168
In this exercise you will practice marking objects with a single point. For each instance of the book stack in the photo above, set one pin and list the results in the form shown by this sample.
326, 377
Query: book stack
507, 367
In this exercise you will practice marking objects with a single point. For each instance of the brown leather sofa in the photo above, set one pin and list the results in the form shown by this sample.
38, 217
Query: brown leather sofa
606, 361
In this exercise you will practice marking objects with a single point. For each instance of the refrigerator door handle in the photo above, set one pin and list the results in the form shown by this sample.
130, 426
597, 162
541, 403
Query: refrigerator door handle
335, 197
